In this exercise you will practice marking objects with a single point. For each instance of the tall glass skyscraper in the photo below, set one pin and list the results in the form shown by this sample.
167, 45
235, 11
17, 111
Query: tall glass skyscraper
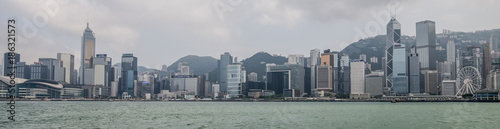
129, 74
393, 37
225, 59
88, 53
426, 45
399, 70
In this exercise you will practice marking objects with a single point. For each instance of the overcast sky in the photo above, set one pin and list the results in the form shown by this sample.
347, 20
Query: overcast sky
160, 32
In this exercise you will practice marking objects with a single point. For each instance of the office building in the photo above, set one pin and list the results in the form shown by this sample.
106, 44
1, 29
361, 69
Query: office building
184, 84
414, 72
23, 70
236, 77
471, 57
450, 51
253, 77
399, 70
486, 63
183, 68
431, 82
324, 78
164, 68
315, 60
357, 76
393, 37
55, 70
446, 71
39, 71
296, 59
225, 59
68, 62
129, 74
87, 56
281, 77
102, 68
363, 57
448, 87
8, 61
426, 45
374, 83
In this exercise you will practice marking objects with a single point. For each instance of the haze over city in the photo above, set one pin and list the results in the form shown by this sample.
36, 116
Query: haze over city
161, 32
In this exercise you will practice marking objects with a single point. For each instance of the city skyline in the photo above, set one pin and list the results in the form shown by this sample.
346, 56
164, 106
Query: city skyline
175, 32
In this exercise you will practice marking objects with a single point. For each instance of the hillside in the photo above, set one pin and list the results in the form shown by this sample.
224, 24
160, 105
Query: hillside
257, 63
375, 46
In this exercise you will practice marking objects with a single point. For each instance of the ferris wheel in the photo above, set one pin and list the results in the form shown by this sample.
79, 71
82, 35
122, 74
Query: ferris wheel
470, 80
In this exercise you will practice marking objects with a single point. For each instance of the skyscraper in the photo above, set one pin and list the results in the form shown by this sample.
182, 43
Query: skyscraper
450, 51
236, 77
225, 59
324, 77
102, 66
399, 70
8, 60
486, 69
129, 74
253, 77
296, 59
88, 53
426, 45
54, 68
68, 62
315, 60
357, 77
431, 82
414, 72
393, 37
327, 59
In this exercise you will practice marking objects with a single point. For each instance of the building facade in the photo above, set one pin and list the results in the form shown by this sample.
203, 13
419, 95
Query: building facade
87, 55
357, 76
68, 62
129, 74
426, 45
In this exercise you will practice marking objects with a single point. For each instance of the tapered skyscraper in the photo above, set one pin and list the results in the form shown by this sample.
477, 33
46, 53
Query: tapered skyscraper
88, 53
393, 37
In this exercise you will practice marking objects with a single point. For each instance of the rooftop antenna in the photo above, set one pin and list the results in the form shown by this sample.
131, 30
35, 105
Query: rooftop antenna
87, 19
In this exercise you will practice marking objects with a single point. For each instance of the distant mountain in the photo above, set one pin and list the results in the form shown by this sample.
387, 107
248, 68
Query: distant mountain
257, 63
199, 65
375, 46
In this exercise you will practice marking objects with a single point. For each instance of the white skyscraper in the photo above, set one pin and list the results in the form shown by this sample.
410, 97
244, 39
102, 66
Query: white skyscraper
362, 57
315, 59
357, 77
450, 51
68, 62
236, 76
296, 59
253, 77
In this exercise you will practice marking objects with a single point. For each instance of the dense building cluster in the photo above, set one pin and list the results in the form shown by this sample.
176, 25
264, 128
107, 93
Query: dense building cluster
407, 70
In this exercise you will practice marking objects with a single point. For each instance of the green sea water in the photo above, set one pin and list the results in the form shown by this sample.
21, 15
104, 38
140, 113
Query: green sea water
257, 115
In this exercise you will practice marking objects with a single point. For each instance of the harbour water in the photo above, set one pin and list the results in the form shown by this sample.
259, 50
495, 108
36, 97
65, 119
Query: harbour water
175, 115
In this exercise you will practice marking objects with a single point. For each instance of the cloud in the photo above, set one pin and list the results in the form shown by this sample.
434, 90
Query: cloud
160, 32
